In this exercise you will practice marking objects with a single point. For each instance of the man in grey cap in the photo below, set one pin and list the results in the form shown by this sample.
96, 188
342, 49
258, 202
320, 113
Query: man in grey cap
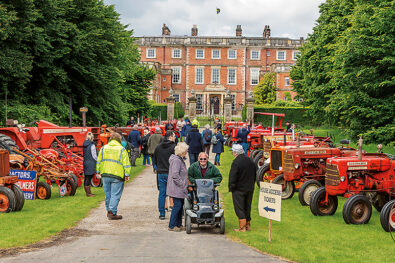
153, 141
241, 184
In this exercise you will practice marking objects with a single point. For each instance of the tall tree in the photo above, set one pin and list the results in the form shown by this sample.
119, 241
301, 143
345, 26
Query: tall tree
265, 92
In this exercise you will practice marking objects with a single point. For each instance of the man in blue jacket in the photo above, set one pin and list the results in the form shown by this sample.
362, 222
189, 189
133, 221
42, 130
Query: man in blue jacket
135, 140
242, 137
194, 140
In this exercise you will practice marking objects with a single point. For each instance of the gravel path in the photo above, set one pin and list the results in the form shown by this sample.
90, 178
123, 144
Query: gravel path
140, 236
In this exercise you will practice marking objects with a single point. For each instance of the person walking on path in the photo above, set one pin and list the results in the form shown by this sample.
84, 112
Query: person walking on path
144, 147
241, 184
203, 169
186, 129
218, 145
89, 163
114, 166
161, 159
207, 135
194, 140
242, 137
177, 185
153, 141
134, 139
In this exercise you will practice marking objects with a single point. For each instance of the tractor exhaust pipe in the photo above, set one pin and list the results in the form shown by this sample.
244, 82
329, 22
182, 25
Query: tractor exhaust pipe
298, 141
360, 148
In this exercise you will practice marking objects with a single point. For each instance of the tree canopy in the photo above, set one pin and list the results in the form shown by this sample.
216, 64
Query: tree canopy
265, 92
51, 49
346, 69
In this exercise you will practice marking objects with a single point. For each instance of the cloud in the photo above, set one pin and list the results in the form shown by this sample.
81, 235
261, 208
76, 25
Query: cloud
287, 18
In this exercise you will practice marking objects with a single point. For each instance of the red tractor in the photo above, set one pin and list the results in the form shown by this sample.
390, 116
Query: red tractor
365, 179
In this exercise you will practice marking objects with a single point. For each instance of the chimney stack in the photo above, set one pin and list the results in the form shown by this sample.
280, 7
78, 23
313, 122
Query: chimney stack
238, 30
194, 31
165, 30
266, 32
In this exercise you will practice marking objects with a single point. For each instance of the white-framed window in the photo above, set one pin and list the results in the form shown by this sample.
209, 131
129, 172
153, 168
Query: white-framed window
255, 54
232, 53
199, 53
233, 101
281, 55
199, 75
215, 75
151, 53
268, 53
286, 81
231, 76
199, 101
215, 54
254, 76
295, 54
176, 53
176, 75
176, 97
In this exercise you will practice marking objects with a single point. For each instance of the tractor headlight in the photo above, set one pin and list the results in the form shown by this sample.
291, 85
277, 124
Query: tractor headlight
297, 166
195, 207
215, 207
342, 178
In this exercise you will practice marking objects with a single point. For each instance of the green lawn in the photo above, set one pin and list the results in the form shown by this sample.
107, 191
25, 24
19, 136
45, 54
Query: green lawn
302, 237
41, 219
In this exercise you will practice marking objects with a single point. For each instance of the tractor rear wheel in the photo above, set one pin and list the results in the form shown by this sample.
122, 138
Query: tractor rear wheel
357, 210
7, 200
387, 216
7, 143
43, 190
71, 186
258, 160
253, 153
264, 174
306, 191
319, 207
288, 187
19, 197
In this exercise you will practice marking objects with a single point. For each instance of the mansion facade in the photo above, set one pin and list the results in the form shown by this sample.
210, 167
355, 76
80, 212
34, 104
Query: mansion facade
211, 67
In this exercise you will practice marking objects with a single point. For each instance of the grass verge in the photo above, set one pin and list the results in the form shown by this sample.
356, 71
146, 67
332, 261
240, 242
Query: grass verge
302, 237
41, 219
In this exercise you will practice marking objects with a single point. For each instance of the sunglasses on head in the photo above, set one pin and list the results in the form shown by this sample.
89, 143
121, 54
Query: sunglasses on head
203, 159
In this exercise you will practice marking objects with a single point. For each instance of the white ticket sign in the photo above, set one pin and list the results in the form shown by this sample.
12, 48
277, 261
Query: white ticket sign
269, 204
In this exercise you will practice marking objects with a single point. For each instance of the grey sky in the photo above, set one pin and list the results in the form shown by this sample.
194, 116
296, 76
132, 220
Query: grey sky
287, 18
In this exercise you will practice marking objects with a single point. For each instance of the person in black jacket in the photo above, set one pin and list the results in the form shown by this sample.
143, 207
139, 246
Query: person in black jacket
89, 163
144, 147
161, 160
195, 141
241, 184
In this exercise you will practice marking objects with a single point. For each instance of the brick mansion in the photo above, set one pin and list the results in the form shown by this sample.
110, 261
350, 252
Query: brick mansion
212, 66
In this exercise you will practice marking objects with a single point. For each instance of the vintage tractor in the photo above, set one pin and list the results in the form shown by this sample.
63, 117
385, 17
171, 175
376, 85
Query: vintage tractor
365, 179
11, 195
307, 166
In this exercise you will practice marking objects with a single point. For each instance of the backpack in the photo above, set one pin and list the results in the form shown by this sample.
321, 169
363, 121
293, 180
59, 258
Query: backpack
214, 140
207, 135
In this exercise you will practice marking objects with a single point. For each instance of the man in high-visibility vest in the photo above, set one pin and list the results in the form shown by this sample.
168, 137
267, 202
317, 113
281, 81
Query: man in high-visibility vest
114, 166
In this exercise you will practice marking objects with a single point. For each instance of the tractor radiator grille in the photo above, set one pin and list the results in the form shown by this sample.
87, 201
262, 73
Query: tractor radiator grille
276, 160
266, 149
288, 163
332, 175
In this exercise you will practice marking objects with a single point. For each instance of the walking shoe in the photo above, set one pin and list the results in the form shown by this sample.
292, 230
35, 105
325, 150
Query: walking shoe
162, 217
111, 216
182, 228
242, 225
175, 229
108, 213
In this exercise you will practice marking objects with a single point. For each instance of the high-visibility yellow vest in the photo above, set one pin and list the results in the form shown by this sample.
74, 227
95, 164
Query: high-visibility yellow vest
113, 160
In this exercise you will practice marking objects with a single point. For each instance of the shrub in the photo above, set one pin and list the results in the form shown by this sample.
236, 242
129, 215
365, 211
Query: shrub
159, 109
179, 111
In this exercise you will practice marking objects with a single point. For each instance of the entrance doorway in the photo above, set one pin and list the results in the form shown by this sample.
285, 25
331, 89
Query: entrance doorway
214, 104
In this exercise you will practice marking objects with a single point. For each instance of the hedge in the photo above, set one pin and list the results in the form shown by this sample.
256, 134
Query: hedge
162, 108
179, 111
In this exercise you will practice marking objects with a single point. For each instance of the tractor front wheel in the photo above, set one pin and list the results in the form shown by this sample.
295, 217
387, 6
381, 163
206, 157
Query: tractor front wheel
357, 210
320, 207
288, 188
258, 160
253, 153
387, 216
71, 186
306, 190
43, 190
19, 197
7, 200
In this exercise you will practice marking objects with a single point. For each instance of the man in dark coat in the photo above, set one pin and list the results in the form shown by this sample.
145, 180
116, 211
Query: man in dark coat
161, 159
194, 140
218, 146
135, 140
241, 184
242, 137
131, 122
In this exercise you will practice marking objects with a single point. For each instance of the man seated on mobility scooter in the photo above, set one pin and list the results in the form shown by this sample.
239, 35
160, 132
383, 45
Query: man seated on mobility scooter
203, 205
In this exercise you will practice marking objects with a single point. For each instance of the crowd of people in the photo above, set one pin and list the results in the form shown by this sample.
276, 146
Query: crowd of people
168, 155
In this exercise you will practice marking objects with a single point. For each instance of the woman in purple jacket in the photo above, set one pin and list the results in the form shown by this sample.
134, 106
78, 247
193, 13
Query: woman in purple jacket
177, 184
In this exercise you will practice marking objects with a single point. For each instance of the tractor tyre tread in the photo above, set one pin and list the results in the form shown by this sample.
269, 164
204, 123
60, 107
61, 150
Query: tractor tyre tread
19, 197
7, 192
302, 201
350, 203
384, 216
47, 188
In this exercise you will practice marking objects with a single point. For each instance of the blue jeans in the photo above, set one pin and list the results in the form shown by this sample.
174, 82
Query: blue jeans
176, 213
146, 159
162, 182
193, 157
113, 189
217, 156
244, 144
